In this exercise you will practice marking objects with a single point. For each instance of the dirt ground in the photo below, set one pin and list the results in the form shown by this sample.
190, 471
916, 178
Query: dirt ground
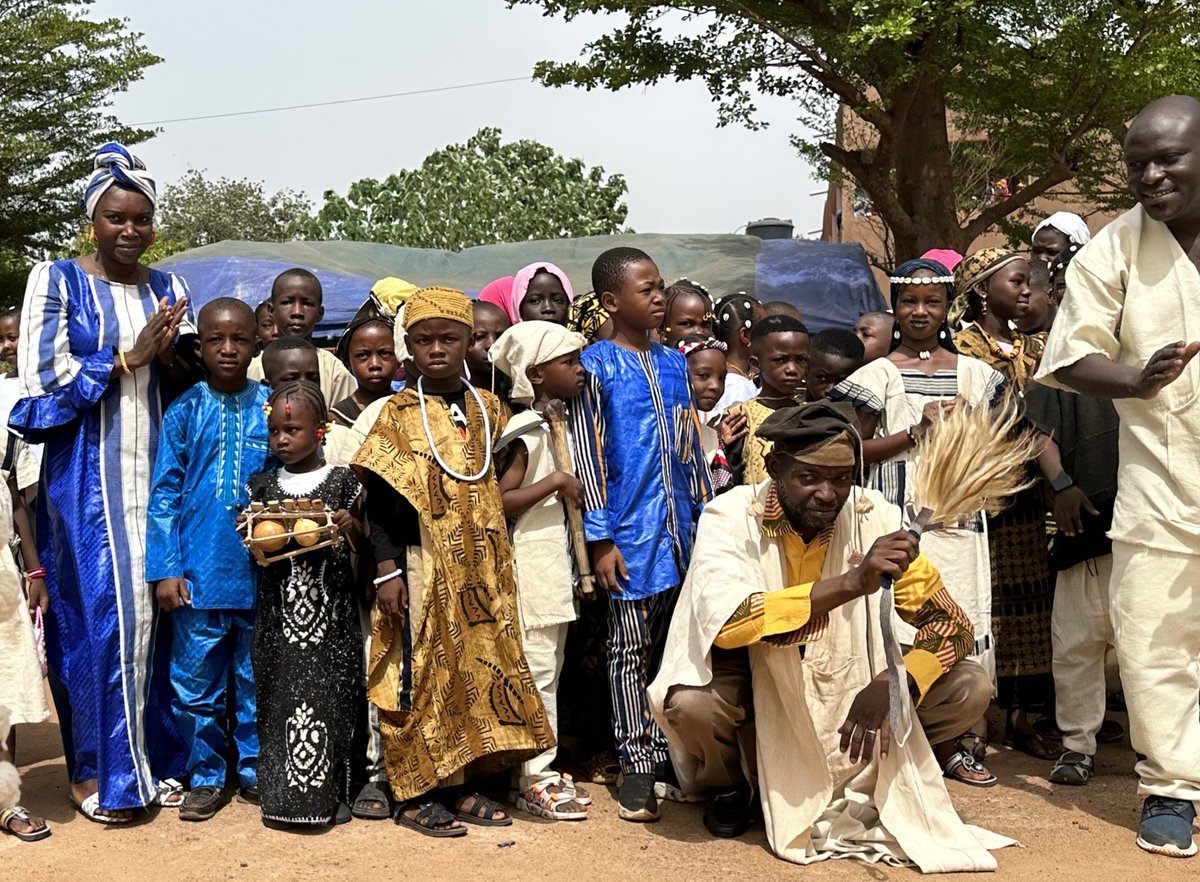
1065, 834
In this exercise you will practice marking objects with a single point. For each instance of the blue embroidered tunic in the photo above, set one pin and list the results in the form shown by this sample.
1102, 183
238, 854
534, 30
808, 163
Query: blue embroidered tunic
212, 444
637, 447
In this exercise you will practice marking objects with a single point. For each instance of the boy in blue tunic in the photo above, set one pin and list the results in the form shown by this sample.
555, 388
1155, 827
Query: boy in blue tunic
637, 438
214, 438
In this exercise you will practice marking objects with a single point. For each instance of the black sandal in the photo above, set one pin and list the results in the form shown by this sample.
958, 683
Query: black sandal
431, 819
372, 803
482, 811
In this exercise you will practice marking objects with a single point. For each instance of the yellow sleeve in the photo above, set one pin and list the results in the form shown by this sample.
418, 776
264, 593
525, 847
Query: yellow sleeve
944, 633
769, 614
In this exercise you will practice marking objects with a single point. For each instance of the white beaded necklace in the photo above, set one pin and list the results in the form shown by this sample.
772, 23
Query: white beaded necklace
487, 434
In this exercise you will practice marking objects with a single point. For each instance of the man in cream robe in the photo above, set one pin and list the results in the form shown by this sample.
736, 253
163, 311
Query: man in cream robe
1132, 303
819, 802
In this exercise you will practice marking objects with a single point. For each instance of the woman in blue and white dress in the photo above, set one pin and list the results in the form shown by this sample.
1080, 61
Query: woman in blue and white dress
98, 366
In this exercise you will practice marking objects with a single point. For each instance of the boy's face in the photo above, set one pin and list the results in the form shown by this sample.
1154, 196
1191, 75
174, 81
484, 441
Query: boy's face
372, 354
875, 332
782, 360
640, 304
708, 370
490, 323
296, 307
439, 347
826, 370
561, 377
293, 364
265, 326
226, 339
10, 334
545, 300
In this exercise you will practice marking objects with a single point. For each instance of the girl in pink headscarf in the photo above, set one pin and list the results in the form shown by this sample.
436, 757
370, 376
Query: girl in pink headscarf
540, 292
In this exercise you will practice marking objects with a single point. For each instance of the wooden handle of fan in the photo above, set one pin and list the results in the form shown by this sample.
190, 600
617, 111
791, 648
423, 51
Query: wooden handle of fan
556, 417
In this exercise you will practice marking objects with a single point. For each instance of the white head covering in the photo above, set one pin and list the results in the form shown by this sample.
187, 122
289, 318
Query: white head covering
114, 164
531, 343
1069, 224
399, 343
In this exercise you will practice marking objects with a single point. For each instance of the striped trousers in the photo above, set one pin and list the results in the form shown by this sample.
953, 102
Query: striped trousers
637, 633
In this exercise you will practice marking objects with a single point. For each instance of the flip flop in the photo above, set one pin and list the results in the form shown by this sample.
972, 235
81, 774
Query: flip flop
90, 809
366, 804
481, 813
432, 814
19, 813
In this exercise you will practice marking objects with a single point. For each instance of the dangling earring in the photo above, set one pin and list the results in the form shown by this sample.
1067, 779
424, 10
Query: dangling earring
943, 334
92, 234
982, 305
896, 334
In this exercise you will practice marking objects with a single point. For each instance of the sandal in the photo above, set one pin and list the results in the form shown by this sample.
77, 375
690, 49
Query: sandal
431, 819
90, 809
603, 768
482, 811
19, 813
963, 760
372, 803
551, 800
1072, 768
1030, 743
170, 794
579, 794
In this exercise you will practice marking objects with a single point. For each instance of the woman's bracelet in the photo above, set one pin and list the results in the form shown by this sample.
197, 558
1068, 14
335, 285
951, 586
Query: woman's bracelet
124, 363
36, 573
395, 574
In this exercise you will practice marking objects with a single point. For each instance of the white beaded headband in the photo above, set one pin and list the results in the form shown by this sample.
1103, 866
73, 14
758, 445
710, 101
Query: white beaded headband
925, 280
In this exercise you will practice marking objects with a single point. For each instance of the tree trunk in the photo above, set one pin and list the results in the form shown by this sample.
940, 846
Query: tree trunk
924, 173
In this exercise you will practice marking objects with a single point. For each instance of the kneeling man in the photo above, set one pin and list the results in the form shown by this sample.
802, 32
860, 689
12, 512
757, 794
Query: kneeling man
791, 570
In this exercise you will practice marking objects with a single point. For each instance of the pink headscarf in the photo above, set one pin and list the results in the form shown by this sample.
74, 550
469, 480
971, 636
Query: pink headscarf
521, 287
498, 292
947, 258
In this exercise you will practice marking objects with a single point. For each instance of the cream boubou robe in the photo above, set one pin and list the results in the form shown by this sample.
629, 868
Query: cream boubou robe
816, 804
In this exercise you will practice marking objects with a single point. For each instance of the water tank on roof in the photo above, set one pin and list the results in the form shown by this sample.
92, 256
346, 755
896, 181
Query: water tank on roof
771, 228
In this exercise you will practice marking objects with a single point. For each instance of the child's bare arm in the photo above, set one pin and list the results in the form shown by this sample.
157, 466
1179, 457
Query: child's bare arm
517, 499
38, 596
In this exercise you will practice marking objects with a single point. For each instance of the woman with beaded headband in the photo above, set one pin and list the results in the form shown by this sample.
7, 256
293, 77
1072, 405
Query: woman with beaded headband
897, 399
993, 292
98, 367
447, 671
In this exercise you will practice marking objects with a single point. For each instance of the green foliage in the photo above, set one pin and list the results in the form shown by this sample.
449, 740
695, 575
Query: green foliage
196, 211
14, 271
1045, 87
482, 192
58, 73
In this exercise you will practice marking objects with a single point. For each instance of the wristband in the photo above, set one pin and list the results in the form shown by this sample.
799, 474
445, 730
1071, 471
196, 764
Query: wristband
124, 363
36, 573
379, 580
1061, 482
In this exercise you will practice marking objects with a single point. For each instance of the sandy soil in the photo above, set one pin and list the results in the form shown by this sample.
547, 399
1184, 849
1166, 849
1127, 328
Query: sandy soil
1065, 834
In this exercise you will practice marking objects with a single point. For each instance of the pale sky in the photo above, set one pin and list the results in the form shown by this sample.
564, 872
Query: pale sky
685, 175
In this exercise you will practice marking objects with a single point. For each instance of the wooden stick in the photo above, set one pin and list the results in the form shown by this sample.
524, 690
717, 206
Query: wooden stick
556, 418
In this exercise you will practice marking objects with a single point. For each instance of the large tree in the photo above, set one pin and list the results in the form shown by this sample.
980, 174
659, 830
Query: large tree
919, 103
58, 73
197, 211
482, 192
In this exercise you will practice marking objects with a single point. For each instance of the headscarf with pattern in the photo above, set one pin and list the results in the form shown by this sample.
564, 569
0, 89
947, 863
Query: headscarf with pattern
587, 316
438, 302
114, 165
976, 268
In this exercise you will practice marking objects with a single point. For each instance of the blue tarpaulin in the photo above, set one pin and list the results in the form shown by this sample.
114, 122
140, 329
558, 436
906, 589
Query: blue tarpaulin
830, 283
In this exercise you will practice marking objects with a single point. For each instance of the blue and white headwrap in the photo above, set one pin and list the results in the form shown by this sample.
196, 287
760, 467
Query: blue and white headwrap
114, 164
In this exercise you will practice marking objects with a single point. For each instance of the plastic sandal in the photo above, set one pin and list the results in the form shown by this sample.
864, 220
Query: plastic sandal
540, 802
482, 811
19, 813
90, 809
431, 820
